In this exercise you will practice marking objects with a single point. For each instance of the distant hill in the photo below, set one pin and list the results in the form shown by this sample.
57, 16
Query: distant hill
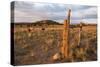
83, 24
42, 22
48, 22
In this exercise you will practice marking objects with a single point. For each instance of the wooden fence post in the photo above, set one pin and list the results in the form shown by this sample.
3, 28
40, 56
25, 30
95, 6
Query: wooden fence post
65, 45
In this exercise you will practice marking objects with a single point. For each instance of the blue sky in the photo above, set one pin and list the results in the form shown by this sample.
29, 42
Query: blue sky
31, 12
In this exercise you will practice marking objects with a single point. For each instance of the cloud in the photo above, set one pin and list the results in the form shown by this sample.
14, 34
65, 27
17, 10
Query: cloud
91, 20
31, 12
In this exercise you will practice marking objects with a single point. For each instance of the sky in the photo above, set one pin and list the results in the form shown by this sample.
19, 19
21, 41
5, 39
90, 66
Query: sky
32, 12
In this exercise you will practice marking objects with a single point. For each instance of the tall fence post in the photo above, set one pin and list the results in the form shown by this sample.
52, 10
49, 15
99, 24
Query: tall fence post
65, 45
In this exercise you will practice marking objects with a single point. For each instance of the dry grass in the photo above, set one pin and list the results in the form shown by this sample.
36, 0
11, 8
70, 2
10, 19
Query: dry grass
39, 46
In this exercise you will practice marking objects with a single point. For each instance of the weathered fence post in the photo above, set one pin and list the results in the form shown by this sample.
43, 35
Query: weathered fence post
80, 33
81, 48
65, 45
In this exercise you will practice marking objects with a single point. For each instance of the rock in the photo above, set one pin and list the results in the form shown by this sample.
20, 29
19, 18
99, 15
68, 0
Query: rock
56, 56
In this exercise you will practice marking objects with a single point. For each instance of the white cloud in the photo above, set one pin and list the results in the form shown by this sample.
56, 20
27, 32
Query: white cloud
31, 12
90, 21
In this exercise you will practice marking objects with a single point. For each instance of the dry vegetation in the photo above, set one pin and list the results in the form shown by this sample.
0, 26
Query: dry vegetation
39, 46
